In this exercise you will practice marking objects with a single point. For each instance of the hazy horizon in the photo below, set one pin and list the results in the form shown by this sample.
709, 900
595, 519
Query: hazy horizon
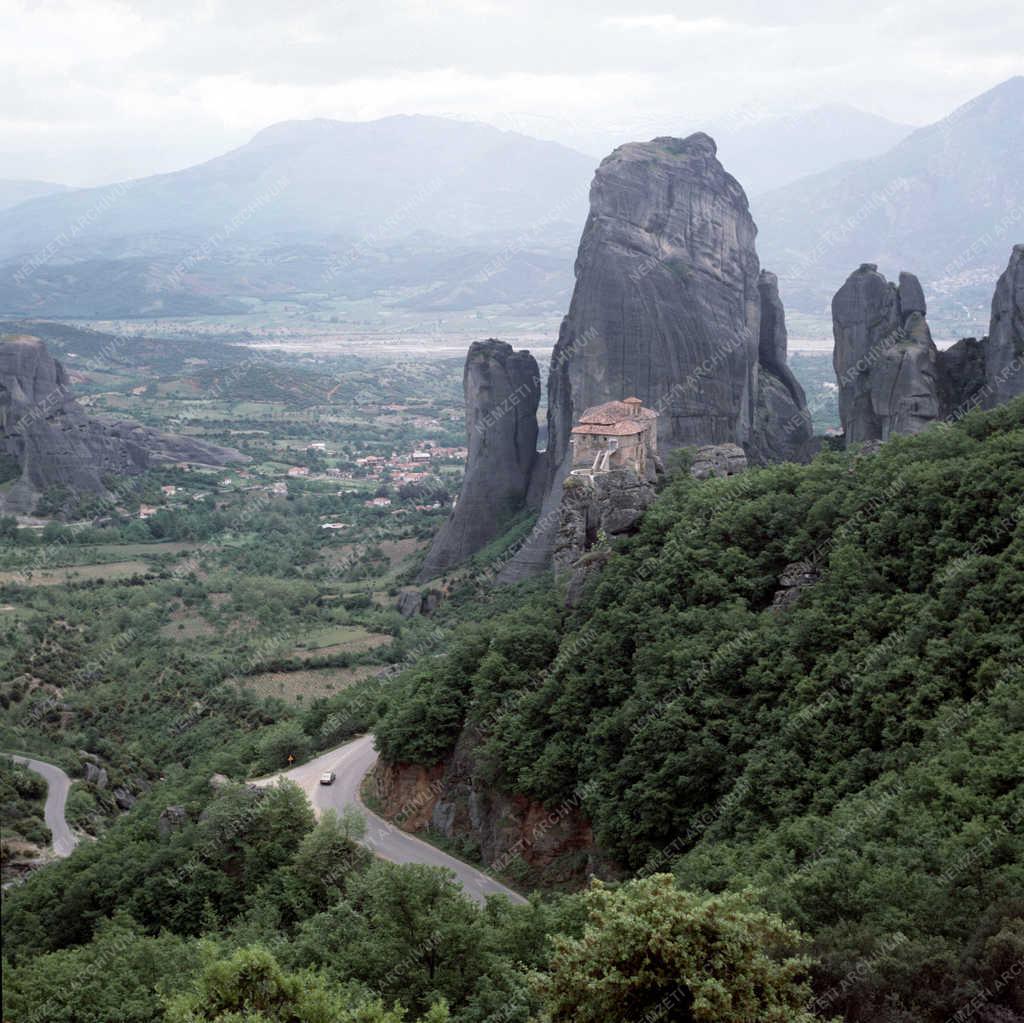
105, 91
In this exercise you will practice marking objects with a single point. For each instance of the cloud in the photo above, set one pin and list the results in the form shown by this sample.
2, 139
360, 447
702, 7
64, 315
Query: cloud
99, 90
681, 26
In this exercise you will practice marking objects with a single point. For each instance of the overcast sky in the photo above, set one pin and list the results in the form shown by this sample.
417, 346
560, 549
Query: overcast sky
93, 91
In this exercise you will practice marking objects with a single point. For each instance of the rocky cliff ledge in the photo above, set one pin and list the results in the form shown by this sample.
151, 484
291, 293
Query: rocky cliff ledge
53, 442
594, 510
502, 391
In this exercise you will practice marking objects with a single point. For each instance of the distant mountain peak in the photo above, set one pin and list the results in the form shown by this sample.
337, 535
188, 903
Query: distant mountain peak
944, 200
776, 151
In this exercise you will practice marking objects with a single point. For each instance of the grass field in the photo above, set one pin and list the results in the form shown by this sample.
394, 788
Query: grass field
74, 557
184, 625
396, 551
74, 573
303, 686
334, 639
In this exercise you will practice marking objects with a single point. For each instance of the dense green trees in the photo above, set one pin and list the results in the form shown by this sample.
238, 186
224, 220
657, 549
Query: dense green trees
122, 974
855, 755
651, 951
22, 795
250, 987
850, 762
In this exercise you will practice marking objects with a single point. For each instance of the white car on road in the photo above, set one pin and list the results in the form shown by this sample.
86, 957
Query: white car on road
327, 778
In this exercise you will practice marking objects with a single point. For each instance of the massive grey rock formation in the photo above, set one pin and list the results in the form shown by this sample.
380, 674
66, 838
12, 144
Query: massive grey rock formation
1004, 356
893, 380
666, 304
666, 307
502, 389
884, 358
46, 434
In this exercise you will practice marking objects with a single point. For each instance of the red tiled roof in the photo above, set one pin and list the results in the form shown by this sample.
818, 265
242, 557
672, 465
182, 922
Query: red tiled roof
625, 428
615, 411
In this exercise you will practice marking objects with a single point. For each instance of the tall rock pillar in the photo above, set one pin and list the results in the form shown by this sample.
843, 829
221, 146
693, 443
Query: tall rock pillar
502, 389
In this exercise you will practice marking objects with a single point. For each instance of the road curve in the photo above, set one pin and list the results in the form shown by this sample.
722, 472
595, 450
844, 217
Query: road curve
57, 786
351, 763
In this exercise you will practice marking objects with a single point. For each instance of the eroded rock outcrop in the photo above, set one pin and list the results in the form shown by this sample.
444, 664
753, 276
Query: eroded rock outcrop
718, 460
46, 433
171, 819
893, 380
413, 602
502, 389
594, 510
884, 358
667, 307
795, 578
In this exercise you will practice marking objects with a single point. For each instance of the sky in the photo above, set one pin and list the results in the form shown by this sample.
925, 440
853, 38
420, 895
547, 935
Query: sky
96, 91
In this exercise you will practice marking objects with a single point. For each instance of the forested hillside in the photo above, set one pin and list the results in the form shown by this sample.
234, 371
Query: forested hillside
855, 756
834, 782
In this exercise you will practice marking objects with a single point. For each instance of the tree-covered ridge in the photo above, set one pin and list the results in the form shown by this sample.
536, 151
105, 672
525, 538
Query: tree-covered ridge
856, 755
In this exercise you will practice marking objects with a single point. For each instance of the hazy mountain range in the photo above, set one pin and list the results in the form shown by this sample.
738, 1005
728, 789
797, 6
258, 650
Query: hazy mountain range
436, 214
374, 180
763, 150
946, 203
778, 150
13, 192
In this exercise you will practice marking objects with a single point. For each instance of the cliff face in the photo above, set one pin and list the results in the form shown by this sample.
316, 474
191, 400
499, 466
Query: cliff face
667, 306
962, 384
782, 430
502, 389
1004, 356
512, 835
47, 433
884, 358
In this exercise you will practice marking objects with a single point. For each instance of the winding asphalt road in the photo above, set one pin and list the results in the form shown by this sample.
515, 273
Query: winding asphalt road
57, 786
351, 763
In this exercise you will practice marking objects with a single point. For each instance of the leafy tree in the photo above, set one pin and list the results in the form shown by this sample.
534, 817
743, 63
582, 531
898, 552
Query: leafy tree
120, 975
410, 933
653, 952
330, 854
251, 987
8, 525
279, 743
